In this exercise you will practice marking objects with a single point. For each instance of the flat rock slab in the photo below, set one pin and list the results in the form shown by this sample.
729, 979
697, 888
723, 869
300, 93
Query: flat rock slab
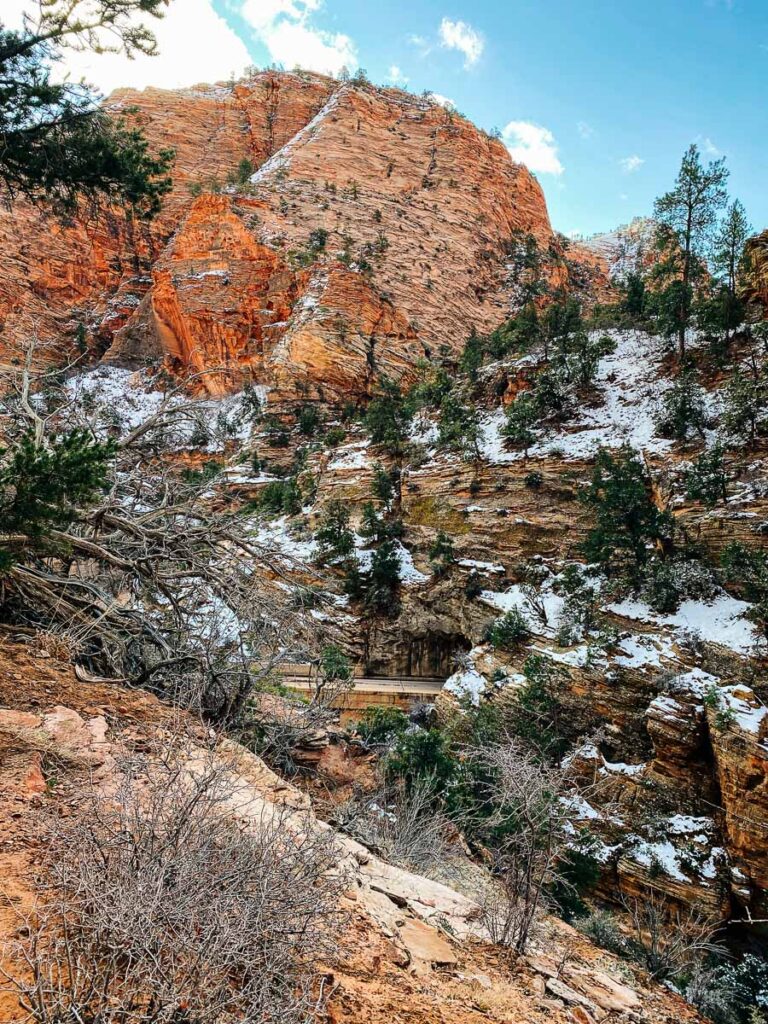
424, 942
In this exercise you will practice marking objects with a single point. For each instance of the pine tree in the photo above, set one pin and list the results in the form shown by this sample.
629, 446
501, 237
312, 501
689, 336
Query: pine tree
388, 417
561, 319
522, 416
683, 408
746, 405
472, 356
686, 215
42, 487
335, 540
633, 301
459, 426
59, 147
526, 267
626, 519
727, 252
706, 480
383, 582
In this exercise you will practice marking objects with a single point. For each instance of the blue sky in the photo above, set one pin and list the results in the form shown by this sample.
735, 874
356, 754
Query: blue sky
622, 85
599, 97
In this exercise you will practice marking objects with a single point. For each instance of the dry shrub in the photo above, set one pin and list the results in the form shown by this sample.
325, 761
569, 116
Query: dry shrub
163, 909
403, 827
523, 823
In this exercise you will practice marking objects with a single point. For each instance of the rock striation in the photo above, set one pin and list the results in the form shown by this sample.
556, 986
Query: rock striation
319, 235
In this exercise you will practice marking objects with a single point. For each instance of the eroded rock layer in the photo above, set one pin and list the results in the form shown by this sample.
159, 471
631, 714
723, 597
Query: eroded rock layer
319, 234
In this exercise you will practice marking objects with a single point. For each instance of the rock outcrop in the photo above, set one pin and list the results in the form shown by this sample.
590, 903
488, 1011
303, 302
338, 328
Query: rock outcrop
319, 234
754, 287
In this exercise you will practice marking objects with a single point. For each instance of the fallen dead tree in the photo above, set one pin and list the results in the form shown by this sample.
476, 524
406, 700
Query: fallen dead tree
113, 542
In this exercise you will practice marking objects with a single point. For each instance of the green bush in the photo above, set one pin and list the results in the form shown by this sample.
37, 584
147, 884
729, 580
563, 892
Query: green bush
334, 665
666, 583
441, 553
473, 586
309, 420
381, 724
602, 928
747, 568
334, 437
509, 631
280, 497
422, 757
578, 874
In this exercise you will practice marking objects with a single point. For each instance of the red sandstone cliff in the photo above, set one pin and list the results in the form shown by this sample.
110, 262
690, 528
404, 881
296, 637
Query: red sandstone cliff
419, 207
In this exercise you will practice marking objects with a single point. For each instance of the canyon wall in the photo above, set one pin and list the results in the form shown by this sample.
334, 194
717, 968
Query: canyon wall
318, 235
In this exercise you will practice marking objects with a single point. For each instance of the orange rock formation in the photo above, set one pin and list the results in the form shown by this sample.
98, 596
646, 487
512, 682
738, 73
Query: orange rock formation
375, 231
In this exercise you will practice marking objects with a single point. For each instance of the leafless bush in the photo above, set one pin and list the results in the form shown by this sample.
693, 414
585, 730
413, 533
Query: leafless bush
668, 941
161, 909
402, 827
523, 824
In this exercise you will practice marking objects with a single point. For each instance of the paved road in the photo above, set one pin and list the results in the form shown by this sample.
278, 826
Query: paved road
409, 686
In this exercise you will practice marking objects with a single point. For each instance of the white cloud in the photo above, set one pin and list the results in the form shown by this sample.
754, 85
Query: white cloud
441, 100
458, 35
630, 164
710, 148
285, 29
585, 130
195, 45
396, 76
532, 145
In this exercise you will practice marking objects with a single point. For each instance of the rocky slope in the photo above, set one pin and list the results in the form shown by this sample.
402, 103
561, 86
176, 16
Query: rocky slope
361, 229
678, 698
411, 950
755, 288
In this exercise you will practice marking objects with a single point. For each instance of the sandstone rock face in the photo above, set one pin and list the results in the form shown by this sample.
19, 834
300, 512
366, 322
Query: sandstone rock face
755, 284
375, 230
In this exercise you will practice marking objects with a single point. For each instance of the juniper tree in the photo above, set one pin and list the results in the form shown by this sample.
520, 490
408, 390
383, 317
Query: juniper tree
686, 216
59, 147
